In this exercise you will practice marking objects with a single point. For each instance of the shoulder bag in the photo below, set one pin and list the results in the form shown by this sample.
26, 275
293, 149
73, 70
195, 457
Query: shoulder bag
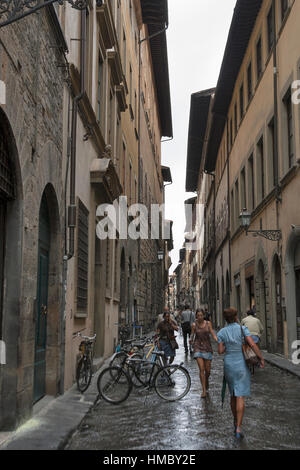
249, 355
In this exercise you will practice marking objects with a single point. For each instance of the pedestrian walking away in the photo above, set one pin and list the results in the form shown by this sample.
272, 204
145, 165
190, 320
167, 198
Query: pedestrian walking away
187, 319
236, 372
254, 326
166, 330
207, 315
203, 352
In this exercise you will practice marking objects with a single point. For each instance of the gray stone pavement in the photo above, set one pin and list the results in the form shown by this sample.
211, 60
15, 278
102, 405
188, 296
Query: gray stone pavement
54, 420
70, 421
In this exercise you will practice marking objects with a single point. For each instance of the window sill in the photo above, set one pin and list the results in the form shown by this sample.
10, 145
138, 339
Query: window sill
80, 315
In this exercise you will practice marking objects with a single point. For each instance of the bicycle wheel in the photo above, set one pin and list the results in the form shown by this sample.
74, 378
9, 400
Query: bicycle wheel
172, 382
135, 369
118, 359
114, 385
84, 374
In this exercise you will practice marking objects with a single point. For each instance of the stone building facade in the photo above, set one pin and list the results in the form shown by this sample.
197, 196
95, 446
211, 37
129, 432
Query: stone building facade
76, 133
31, 211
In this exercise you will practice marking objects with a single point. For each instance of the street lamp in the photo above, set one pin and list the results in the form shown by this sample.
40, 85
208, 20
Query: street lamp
245, 218
160, 257
13, 10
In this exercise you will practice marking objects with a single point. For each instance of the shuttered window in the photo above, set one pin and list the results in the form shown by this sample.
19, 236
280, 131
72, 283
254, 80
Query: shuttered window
82, 256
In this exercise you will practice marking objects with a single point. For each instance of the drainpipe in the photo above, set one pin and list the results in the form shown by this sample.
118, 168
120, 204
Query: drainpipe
71, 159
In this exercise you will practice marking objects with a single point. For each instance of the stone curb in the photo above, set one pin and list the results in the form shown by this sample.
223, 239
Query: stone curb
51, 428
282, 363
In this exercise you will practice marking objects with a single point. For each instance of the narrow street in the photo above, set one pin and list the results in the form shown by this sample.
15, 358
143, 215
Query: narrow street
146, 422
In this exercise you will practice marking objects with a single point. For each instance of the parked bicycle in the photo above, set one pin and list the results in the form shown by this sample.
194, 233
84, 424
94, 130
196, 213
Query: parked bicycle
84, 369
171, 382
142, 349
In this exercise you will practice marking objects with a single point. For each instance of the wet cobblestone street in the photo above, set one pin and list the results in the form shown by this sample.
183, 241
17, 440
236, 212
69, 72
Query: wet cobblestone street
146, 422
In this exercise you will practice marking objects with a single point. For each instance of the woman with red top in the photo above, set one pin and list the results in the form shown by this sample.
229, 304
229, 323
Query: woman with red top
200, 339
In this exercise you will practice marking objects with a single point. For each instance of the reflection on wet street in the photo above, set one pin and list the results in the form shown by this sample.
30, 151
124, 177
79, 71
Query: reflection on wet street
146, 422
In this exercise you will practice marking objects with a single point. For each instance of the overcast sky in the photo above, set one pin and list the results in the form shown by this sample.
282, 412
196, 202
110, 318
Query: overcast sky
197, 36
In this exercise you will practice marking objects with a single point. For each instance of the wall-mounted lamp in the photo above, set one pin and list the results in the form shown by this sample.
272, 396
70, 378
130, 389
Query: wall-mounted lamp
245, 218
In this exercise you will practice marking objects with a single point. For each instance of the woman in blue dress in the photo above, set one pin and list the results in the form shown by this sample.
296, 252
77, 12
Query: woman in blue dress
237, 374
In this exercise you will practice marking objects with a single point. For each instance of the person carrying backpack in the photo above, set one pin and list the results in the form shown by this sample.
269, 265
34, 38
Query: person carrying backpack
187, 319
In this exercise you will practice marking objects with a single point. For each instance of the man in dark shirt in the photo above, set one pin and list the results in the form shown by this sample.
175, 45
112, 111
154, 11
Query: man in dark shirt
187, 319
166, 330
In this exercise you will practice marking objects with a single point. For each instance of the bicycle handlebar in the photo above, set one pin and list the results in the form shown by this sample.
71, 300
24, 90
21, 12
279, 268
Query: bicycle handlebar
86, 338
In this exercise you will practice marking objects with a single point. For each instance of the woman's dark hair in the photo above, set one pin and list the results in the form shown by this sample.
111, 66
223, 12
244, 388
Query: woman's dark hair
199, 310
166, 313
230, 314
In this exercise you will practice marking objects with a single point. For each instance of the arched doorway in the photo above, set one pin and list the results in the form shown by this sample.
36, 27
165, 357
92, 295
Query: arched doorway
42, 301
297, 280
279, 340
223, 296
227, 295
11, 233
218, 305
292, 283
48, 311
261, 308
7, 193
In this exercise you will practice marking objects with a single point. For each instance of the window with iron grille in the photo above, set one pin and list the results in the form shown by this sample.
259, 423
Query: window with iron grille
289, 127
249, 81
259, 59
82, 256
241, 102
270, 24
6, 174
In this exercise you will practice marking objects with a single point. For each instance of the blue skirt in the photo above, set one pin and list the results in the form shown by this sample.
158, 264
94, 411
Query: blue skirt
237, 374
204, 355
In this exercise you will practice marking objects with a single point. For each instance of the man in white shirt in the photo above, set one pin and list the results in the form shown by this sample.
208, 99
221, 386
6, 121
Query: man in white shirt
254, 326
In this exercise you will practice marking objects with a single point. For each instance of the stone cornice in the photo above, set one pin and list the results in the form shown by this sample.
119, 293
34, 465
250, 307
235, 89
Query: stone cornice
104, 177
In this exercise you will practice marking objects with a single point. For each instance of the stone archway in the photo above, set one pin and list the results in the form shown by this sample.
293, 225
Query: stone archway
292, 276
49, 294
11, 189
277, 311
261, 305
